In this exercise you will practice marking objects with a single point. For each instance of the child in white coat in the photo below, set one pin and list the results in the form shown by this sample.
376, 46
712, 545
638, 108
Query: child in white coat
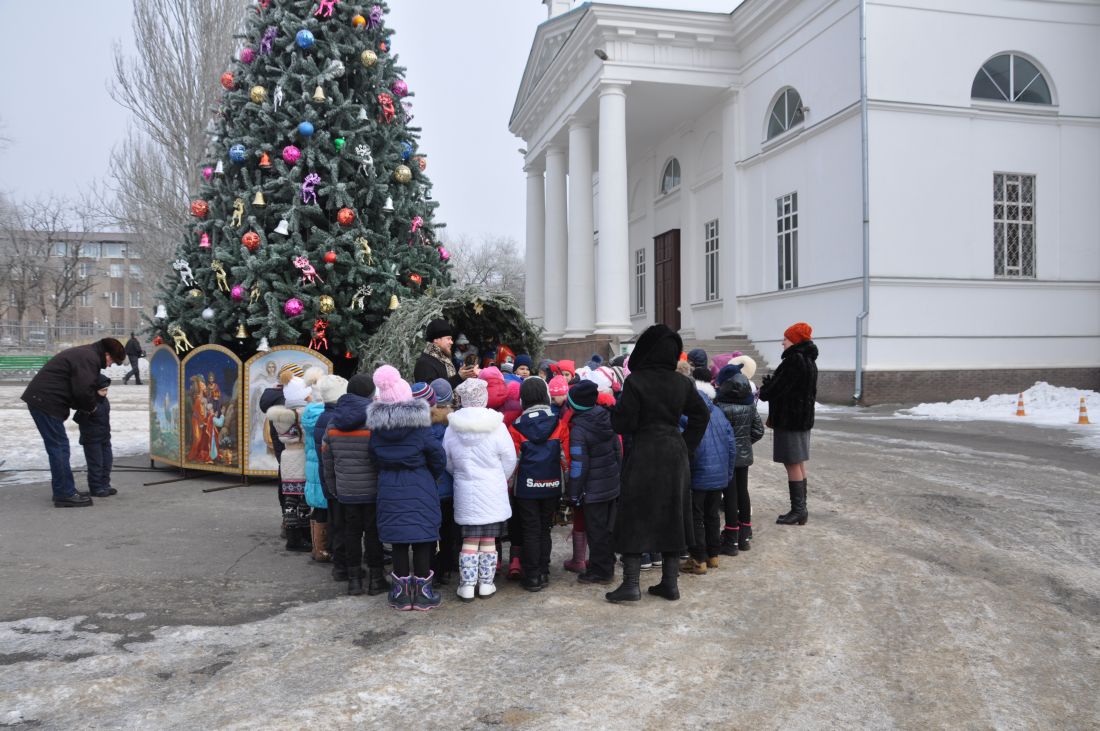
481, 456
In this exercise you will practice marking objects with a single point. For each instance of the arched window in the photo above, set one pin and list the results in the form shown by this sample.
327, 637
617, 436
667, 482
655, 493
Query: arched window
1011, 78
786, 113
670, 178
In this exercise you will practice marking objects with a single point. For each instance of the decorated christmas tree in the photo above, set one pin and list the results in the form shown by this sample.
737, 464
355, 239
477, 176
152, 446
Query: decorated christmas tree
315, 218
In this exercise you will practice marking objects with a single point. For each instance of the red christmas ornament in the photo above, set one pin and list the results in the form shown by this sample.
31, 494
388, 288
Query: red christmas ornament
200, 208
386, 102
348, 355
228, 81
251, 241
265, 161
330, 257
415, 278
158, 340
345, 216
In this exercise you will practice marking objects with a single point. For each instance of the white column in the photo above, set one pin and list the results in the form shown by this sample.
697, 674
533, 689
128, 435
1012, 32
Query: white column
556, 240
534, 285
613, 294
580, 308
731, 256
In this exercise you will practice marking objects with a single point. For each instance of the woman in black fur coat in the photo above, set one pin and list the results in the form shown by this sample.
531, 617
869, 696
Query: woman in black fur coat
791, 392
654, 512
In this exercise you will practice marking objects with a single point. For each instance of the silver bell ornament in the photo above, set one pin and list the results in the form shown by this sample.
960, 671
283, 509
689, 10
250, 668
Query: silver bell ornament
219, 169
283, 228
388, 207
263, 347
162, 313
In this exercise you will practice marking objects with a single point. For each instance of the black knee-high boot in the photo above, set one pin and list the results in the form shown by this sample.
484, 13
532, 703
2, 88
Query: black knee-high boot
628, 591
670, 571
798, 515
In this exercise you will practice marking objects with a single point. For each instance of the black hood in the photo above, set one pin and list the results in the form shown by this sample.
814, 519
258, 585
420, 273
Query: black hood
658, 348
735, 390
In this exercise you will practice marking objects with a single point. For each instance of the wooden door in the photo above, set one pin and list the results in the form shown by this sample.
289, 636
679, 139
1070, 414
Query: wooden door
666, 255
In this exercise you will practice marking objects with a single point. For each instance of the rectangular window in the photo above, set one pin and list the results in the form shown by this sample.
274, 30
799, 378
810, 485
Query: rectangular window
86, 327
786, 219
90, 251
1013, 225
135, 271
116, 299
86, 269
60, 249
116, 271
710, 258
639, 281
114, 251
135, 299
117, 328
84, 299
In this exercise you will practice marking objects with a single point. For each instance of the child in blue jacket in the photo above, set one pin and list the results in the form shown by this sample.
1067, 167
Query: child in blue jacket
95, 437
711, 471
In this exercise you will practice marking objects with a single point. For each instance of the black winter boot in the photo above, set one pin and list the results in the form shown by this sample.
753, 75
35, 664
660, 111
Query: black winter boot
355, 582
376, 583
628, 591
730, 543
669, 587
340, 572
798, 514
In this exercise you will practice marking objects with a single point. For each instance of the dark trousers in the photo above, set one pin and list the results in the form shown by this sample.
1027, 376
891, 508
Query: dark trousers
705, 507
515, 529
99, 458
736, 498
450, 539
336, 542
361, 528
421, 559
134, 371
537, 517
599, 517
56, 441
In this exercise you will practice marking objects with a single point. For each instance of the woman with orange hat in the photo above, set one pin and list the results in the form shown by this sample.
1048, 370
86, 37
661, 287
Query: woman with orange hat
790, 393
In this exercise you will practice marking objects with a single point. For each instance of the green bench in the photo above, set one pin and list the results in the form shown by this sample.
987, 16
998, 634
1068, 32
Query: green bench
21, 365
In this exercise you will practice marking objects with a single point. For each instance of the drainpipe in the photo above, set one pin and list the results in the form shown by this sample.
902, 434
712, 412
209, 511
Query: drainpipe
861, 318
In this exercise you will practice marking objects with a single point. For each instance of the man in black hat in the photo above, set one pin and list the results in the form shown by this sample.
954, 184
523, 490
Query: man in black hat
68, 381
435, 362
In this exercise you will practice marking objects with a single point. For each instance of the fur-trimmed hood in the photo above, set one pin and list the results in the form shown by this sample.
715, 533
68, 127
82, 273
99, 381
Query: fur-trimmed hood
408, 414
706, 389
475, 419
440, 414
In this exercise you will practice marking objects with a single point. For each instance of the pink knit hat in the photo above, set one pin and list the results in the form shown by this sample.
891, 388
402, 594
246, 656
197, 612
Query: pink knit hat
389, 386
492, 373
513, 390
558, 386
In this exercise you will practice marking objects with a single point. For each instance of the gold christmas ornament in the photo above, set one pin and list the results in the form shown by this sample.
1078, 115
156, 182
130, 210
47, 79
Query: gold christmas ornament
365, 246
259, 201
254, 296
479, 307
394, 304
194, 293
368, 57
241, 332
326, 304
402, 174
258, 95
318, 94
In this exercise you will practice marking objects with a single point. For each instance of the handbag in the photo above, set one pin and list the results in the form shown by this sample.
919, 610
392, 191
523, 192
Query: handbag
768, 422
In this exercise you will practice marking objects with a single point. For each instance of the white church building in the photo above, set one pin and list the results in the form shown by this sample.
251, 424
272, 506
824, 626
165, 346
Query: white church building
920, 181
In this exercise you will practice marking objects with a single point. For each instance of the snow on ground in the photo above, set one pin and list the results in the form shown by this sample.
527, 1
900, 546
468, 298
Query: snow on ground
1044, 404
22, 448
117, 372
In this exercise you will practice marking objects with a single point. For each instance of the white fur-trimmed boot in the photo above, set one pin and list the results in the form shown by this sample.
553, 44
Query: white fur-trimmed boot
486, 573
467, 576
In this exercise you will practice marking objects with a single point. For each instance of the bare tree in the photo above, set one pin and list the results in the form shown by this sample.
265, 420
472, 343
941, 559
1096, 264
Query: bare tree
491, 261
170, 85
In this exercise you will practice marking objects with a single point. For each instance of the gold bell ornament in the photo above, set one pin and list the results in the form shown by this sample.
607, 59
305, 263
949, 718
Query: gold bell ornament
241, 332
318, 94
394, 304
259, 201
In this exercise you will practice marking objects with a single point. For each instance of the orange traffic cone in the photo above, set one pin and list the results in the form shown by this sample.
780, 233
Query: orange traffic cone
1083, 418
1020, 406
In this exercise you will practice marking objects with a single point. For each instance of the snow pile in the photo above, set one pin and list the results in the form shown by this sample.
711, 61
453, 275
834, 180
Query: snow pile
117, 372
1044, 404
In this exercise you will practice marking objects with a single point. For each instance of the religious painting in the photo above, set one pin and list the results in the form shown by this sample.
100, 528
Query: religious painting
164, 406
261, 372
211, 397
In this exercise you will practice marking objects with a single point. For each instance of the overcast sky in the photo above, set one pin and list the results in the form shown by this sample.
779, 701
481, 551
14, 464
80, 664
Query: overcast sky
464, 62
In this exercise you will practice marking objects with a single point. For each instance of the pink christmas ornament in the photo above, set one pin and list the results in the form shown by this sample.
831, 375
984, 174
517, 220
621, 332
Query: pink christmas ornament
400, 88
204, 241
207, 172
417, 222
291, 154
444, 254
247, 55
237, 293
293, 307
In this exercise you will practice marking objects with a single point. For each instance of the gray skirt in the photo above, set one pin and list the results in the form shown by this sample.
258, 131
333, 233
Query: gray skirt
492, 530
790, 447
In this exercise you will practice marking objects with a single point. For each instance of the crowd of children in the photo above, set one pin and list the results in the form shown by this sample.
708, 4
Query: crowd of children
442, 473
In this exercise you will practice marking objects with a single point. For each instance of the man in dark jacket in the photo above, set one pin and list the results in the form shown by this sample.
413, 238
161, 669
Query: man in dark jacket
68, 381
135, 354
435, 362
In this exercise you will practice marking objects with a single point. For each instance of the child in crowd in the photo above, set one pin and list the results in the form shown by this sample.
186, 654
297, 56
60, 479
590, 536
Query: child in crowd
481, 456
541, 445
736, 400
522, 366
711, 471
330, 389
445, 561
351, 475
595, 458
559, 389
286, 420
513, 405
567, 369
409, 460
497, 389
95, 437
314, 494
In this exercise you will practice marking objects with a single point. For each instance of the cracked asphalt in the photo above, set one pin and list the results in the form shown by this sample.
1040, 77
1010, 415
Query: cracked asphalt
948, 578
